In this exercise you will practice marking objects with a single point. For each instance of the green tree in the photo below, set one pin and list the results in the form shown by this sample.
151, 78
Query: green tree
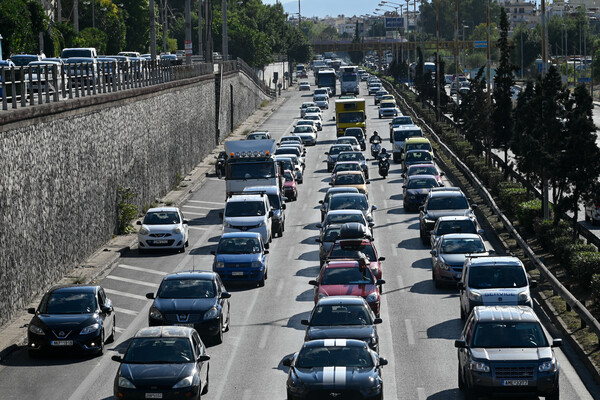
109, 19
527, 46
356, 56
474, 112
135, 17
21, 22
92, 37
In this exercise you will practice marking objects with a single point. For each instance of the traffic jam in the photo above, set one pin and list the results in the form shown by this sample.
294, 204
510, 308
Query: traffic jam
502, 349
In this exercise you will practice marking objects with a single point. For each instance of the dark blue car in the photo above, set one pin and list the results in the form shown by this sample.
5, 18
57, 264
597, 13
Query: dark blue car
241, 257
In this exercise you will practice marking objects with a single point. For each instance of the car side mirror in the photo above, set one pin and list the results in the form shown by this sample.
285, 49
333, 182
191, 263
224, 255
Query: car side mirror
204, 357
460, 285
433, 253
381, 282
31, 310
150, 296
403, 186
421, 208
221, 215
474, 206
186, 222
117, 358
326, 153
368, 182
283, 206
265, 252
442, 173
371, 224
318, 240
330, 183
319, 226
373, 208
138, 223
460, 344
480, 231
304, 322
377, 321
271, 214
557, 342
313, 282
491, 251
225, 295
382, 361
381, 259
320, 201
214, 253
532, 284
287, 362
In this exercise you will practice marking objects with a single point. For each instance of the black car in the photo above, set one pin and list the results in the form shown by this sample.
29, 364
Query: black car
359, 134
444, 201
326, 240
335, 368
195, 299
73, 317
332, 154
343, 317
167, 362
415, 190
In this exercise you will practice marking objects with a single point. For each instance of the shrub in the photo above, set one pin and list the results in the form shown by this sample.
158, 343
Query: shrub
462, 148
595, 287
527, 212
561, 247
584, 265
493, 180
511, 197
126, 210
546, 232
470, 161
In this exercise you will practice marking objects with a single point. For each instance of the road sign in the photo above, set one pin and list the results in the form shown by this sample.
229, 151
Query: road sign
394, 22
480, 44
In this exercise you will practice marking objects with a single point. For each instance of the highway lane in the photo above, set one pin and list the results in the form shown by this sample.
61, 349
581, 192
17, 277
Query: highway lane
420, 322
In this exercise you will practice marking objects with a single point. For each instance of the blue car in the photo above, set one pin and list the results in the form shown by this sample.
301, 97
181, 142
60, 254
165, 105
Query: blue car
241, 257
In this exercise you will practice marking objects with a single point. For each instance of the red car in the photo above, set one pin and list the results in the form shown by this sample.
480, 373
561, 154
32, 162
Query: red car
353, 249
425, 169
290, 190
349, 278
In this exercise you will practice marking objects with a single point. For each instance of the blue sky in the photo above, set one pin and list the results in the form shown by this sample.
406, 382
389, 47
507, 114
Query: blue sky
321, 8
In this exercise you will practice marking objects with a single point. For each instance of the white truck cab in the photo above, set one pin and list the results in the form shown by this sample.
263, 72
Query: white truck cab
246, 212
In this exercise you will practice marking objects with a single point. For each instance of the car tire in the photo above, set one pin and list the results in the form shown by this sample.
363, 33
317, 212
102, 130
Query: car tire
261, 283
436, 282
555, 395
218, 338
100, 351
423, 238
111, 338
471, 394
461, 381
228, 321
181, 249
205, 390
463, 316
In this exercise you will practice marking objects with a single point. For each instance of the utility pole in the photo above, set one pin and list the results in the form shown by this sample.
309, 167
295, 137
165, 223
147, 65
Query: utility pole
545, 205
208, 26
456, 48
200, 46
437, 56
224, 45
152, 30
299, 14
488, 63
76, 15
188, 33
165, 26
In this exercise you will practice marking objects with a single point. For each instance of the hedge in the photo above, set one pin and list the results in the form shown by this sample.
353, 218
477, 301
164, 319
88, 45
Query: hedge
527, 212
584, 265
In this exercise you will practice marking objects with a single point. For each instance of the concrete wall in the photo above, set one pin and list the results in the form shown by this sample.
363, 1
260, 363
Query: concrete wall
62, 165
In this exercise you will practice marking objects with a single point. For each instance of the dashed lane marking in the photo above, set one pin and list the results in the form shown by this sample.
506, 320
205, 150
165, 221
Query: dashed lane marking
409, 332
119, 330
134, 281
421, 393
199, 228
195, 213
264, 337
394, 249
207, 202
149, 271
125, 311
124, 294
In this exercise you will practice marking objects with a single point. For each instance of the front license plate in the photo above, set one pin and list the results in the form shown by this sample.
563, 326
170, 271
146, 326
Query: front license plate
154, 395
458, 276
186, 325
515, 383
237, 273
161, 242
60, 343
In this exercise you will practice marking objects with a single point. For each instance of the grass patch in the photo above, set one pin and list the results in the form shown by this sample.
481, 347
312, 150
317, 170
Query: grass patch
264, 103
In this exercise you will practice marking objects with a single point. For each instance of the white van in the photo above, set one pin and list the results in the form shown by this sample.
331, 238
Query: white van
248, 213
80, 52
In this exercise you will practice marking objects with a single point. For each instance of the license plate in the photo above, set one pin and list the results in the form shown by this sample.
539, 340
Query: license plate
237, 273
458, 276
515, 383
61, 343
154, 395
161, 242
186, 325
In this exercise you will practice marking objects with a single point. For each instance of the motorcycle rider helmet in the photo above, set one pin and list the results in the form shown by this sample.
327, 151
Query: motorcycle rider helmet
383, 150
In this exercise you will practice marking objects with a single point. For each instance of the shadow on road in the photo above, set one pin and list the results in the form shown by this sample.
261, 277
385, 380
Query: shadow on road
294, 321
427, 287
424, 263
202, 251
312, 255
311, 227
309, 272
447, 395
411, 244
307, 295
280, 365
446, 330
212, 218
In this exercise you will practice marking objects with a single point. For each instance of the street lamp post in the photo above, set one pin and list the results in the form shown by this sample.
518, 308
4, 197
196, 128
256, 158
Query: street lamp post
224, 44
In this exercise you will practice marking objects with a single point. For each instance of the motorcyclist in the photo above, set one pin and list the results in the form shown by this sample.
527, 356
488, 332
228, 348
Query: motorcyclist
375, 138
383, 154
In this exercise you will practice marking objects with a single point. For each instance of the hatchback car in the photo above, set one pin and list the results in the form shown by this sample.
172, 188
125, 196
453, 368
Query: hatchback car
345, 216
195, 299
343, 317
350, 140
388, 109
355, 249
321, 101
290, 189
72, 317
345, 166
415, 190
447, 201
333, 153
351, 278
379, 94
416, 157
374, 88
330, 192
316, 118
425, 169
503, 350
359, 134
308, 134
335, 368
328, 236
304, 86
355, 156
454, 224
351, 179
306, 105
163, 228
163, 362
241, 257
352, 201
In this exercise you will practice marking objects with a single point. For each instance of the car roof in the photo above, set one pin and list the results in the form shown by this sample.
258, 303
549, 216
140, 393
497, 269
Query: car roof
345, 211
455, 218
505, 313
231, 235
448, 193
334, 343
349, 173
165, 331
417, 139
245, 197
461, 236
345, 138
421, 166
351, 152
420, 176
407, 127
353, 194
496, 261
162, 209
74, 288
341, 300
205, 275
266, 189
339, 145
347, 162
342, 189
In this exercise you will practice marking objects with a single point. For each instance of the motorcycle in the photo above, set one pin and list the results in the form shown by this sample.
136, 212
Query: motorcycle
220, 164
384, 165
375, 148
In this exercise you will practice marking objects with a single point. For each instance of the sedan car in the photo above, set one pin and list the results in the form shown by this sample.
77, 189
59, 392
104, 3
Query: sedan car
330, 192
328, 236
306, 105
258, 135
388, 109
338, 368
344, 216
303, 86
416, 157
415, 190
195, 299
290, 162
379, 94
352, 179
399, 121
449, 254
333, 153
316, 118
352, 201
350, 140
359, 134
309, 123
290, 189
424, 169
345, 166
374, 88
321, 101
447, 201
356, 249
454, 224
308, 134
351, 278
163, 228
343, 317
163, 362
355, 156
312, 110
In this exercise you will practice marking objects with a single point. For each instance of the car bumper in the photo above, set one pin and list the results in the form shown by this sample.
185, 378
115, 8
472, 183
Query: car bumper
264, 232
335, 393
204, 328
173, 241
491, 385
89, 343
448, 276
241, 274
290, 193
168, 394
388, 114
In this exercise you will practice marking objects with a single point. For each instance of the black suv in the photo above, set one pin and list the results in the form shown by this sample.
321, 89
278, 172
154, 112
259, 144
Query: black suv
444, 201
504, 350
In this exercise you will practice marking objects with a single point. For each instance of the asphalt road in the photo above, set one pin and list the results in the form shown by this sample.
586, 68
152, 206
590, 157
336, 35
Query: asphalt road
420, 322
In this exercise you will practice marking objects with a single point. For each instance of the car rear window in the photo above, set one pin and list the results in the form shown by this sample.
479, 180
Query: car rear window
319, 357
465, 226
347, 276
331, 315
447, 203
352, 251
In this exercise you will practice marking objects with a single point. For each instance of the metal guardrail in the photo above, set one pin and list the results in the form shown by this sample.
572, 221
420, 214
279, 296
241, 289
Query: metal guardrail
249, 71
586, 318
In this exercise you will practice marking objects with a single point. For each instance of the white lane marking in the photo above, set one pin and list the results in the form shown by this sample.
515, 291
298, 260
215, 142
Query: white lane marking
197, 228
264, 337
400, 281
340, 376
200, 207
328, 375
194, 213
410, 335
279, 290
134, 281
119, 330
125, 311
394, 249
124, 294
421, 393
303, 208
247, 394
290, 253
149, 271
207, 202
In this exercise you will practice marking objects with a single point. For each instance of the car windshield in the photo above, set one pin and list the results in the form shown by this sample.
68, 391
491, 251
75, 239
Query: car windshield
501, 334
418, 146
251, 170
497, 277
162, 350
346, 167
305, 127
320, 98
244, 209
311, 117
162, 218
462, 245
343, 218
347, 140
400, 136
69, 303
187, 289
313, 110
257, 136
331, 234
404, 120
338, 149
388, 105
351, 117
287, 164
355, 156
242, 245
465, 226
348, 203
319, 357
291, 139
353, 251
421, 183
417, 156
292, 150
347, 276
424, 170
349, 179
331, 315
288, 176
447, 203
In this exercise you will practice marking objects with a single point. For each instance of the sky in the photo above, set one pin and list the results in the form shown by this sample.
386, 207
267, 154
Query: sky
321, 8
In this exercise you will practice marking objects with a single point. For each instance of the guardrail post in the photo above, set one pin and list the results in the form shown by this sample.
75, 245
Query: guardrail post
14, 88
69, 82
47, 76
55, 83
3, 78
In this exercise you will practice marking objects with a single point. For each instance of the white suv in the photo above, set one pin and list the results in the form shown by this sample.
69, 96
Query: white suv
248, 213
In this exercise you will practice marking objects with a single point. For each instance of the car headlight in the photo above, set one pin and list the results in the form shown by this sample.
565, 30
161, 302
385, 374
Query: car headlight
256, 264
192, 380
219, 264
144, 231
154, 313
372, 297
90, 329
125, 383
322, 295
177, 230
478, 366
36, 329
524, 296
444, 266
547, 366
262, 223
212, 313
474, 296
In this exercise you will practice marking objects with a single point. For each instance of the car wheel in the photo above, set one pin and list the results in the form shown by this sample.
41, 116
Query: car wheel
463, 316
461, 381
555, 395
470, 394
111, 338
182, 249
205, 389
228, 321
187, 243
261, 283
218, 338
101, 349
423, 238
379, 116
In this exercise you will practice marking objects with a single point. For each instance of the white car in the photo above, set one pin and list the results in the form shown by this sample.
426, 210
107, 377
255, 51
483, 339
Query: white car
307, 133
388, 109
304, 86
248, 213
39, 71
314, 110
163, 228
321, 91
307, 122
321, 101
306, 105
351, 140
318, 120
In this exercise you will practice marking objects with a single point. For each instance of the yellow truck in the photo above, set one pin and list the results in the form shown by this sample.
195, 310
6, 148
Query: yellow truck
350, 113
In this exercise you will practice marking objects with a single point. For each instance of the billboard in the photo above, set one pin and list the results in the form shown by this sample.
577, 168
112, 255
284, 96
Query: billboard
394, 22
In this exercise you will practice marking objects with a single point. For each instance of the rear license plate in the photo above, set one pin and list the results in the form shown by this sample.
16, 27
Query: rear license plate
186, 325
237, 273
161, 242
60, 343
515, 383
154, 395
